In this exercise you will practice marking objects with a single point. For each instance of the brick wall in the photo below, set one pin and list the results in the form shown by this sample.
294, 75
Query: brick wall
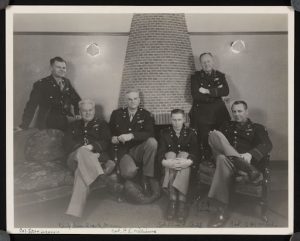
159, 62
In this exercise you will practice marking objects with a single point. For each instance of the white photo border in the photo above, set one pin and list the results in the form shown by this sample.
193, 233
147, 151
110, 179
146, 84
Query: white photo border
11, 10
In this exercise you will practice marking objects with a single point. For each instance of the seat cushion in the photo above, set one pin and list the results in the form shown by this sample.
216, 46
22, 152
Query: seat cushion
32, 176
45, 145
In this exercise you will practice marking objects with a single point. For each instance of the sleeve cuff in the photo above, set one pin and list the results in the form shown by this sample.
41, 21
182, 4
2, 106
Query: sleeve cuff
256, 154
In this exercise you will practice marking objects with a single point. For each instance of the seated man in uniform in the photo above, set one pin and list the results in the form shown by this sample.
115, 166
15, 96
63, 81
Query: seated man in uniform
240, 145
132, 131
177, 151
87, 141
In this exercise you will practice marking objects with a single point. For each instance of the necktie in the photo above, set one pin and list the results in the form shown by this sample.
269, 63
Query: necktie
61, 84
131, 116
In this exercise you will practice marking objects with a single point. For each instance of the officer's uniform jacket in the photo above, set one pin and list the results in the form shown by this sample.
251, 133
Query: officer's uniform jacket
248, 137
54, 104
141, 126
186, 142
209, 108
96, 133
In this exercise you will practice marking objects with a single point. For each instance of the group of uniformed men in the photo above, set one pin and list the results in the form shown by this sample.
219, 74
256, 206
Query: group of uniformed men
128, 144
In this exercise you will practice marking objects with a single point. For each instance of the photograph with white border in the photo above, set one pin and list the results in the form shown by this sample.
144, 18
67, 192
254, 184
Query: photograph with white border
149, 120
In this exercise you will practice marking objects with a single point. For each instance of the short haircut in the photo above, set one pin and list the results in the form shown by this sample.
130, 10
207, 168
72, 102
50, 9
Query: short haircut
177, 111
133, 90
207, 53
58, 59
238, 102
86, 101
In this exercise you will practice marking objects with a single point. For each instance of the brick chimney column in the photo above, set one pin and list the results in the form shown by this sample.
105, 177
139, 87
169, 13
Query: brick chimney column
159, 62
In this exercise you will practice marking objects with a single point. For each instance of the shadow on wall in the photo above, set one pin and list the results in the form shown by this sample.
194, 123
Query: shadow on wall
71, 73
99, 112
258, 114
187, 92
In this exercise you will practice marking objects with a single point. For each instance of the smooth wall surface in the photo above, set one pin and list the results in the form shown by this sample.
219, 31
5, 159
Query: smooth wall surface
97, 77
258, 75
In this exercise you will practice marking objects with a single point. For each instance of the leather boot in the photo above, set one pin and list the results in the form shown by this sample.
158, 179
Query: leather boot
241, 164
182, 212
171, 211
114, 187
220, 219
146, 186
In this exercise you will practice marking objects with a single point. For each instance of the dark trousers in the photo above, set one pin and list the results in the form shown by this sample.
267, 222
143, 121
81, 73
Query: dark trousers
139, 155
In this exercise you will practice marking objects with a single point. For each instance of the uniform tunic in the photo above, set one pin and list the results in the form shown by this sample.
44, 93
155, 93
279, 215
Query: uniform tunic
141, 126
54, 104
248, 137
208, 111
141, 149
209, 108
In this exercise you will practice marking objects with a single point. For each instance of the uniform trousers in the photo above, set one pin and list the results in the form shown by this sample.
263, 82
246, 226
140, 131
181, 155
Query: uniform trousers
226, 167
87, 171
144, 154
178, 179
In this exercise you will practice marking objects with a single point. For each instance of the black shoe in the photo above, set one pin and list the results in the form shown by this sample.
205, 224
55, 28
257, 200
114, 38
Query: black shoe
241, 164
220, 219
254, 175
171, 211
117, 188
146, 186
182, 212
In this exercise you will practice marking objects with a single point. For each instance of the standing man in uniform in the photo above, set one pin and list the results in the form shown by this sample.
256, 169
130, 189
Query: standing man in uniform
54, 97
87, 142
208, 111
240, 145
132, 130
177, 152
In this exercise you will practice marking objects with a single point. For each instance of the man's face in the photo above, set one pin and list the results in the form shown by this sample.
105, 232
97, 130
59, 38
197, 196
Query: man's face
207, 63
59, 69
177, 120
240, 114
133, 100
87, 112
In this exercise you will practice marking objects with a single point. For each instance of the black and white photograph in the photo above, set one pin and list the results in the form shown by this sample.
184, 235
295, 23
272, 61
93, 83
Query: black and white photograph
149, 120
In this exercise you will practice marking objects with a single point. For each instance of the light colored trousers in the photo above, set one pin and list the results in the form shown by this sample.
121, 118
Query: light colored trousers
182, 177
222, 178
88, 169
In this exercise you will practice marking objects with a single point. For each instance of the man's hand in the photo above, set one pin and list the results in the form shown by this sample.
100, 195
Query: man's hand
247, 157
181, 163
114, 140
203, 90
125, 137
89, 147
17, 129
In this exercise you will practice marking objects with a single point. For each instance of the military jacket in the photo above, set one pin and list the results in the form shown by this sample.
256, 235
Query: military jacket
209, 108
54, 104
141, 126
96, 133
186, 142
248, 137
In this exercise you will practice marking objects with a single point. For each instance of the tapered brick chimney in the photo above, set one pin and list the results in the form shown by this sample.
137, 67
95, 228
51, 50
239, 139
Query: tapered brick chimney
159, 62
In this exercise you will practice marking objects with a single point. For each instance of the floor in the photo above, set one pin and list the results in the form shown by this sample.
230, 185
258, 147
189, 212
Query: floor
103, 210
